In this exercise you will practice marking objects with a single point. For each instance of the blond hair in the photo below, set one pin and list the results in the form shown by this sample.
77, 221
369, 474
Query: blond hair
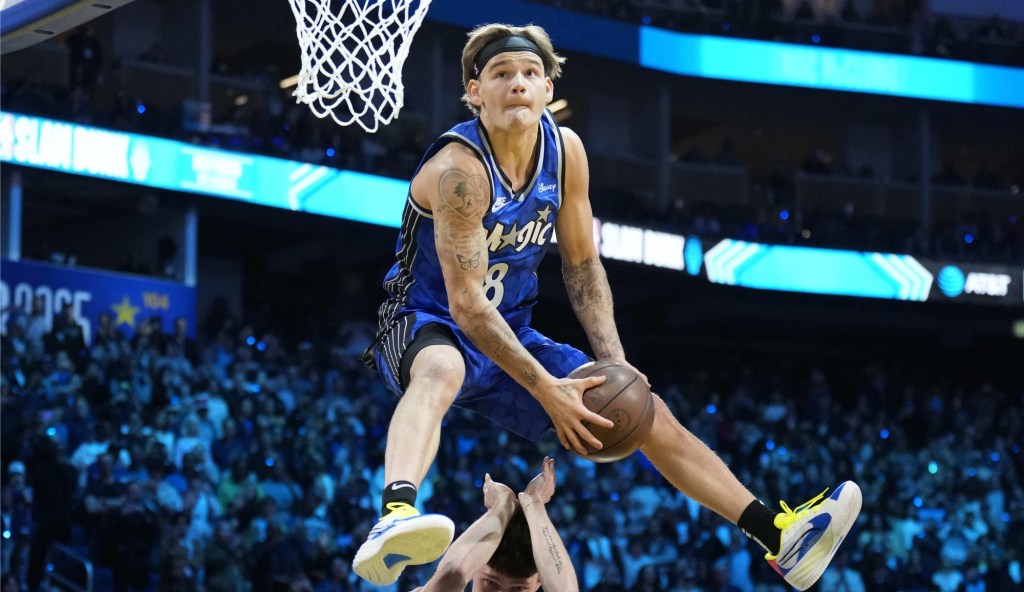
484, 34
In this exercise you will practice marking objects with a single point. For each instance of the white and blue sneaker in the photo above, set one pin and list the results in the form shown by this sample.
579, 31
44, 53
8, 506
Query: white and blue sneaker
401, 537
812, 533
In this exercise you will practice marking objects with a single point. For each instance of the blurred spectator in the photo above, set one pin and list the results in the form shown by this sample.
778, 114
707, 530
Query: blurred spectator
647, 580
820, 162
280, 486
38, 325
181, 558
206, 428
16, 500
182, 343
948, 578
85, 58
104, 497
191, 440
737, 560
136, 532
225, 560
720, 578
634, 559
54, 484
840, 577
107, 333
238, 485
66, 335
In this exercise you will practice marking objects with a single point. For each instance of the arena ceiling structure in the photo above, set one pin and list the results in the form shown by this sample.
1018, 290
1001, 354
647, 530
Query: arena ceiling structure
23, 23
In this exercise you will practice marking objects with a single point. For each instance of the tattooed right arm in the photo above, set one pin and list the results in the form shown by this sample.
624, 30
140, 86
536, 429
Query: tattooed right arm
460, 198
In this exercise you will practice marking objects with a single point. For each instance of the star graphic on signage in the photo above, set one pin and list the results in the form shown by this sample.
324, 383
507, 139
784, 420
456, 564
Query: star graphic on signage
125, 312
510, 238
542, 216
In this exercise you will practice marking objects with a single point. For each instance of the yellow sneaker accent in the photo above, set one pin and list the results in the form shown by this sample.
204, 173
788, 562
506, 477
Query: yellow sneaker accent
399, 510
812, 532
787, 517
401, 538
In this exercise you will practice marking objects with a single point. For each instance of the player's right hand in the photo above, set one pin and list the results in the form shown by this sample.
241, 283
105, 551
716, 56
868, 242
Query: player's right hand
562, 399
542, 487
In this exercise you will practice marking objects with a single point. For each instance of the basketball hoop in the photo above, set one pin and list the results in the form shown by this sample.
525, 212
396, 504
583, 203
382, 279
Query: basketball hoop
352, 57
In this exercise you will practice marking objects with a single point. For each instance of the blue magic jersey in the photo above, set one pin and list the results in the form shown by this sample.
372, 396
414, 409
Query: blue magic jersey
518, 229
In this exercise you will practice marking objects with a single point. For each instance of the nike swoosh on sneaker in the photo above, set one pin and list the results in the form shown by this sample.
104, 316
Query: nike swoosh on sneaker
807, 540
392, 558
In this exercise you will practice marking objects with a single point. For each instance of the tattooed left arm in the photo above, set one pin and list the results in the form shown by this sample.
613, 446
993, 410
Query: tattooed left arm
591, 299
585, 280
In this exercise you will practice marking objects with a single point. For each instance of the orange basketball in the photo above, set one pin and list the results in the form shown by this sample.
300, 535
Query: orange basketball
623, 398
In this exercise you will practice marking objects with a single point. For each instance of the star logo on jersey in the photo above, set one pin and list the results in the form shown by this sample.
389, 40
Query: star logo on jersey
508, 239
535, 232
542, 215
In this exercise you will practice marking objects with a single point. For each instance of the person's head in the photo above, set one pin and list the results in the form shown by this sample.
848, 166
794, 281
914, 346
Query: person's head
105, 464
190, 428
512, 567
134, 491
239, 468
499, 59
202, 406
229, 429
16, 473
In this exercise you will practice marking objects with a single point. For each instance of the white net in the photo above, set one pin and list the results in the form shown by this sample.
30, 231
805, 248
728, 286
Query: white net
352, 57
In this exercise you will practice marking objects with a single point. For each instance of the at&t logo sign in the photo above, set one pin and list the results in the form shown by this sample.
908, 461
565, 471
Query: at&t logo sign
952, 282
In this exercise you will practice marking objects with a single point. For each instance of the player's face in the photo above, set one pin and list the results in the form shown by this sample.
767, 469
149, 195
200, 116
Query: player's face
512, 90
491, 580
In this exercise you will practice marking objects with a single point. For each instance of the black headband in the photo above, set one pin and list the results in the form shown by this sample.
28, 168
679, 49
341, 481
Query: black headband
501, 45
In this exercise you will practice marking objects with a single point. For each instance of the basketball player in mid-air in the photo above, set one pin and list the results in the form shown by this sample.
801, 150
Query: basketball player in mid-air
513, 547
455, 329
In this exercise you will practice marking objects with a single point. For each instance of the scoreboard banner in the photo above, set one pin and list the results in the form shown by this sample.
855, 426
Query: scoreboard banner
854, 273
789, 268
168, 164
756, 61
129, 299
817, 271
131, 158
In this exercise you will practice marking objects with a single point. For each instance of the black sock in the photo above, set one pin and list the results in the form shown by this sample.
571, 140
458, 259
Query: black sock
398, 491
758, 523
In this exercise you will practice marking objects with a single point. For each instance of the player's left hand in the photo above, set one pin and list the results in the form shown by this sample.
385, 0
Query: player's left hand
495, 493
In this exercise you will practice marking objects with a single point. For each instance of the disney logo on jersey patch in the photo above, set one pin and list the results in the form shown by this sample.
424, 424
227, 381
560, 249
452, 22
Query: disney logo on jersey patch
550, 188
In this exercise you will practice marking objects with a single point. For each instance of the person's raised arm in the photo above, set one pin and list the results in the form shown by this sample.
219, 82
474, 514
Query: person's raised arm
553, 563
585, 279
459, 196
473, 549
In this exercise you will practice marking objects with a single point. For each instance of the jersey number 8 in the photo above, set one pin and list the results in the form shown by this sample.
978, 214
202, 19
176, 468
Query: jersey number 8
492, 281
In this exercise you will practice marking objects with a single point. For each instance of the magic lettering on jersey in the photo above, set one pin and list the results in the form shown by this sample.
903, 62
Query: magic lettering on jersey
535, 232
518, 230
